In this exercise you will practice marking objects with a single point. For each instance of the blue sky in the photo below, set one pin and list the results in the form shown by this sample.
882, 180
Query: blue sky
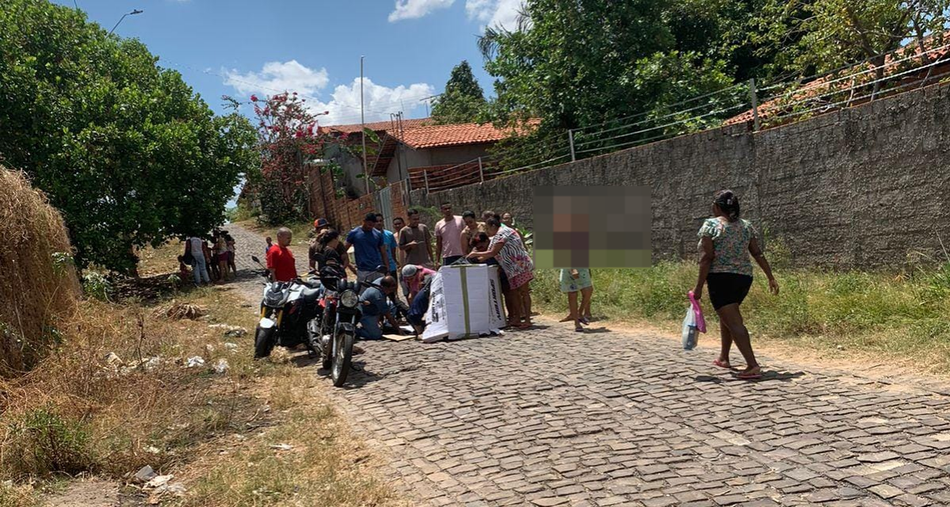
240, 47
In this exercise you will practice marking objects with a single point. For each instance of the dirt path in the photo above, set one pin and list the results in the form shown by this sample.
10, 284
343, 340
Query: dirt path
551, 417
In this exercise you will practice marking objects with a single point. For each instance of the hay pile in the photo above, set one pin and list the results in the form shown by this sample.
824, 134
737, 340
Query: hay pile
38, 284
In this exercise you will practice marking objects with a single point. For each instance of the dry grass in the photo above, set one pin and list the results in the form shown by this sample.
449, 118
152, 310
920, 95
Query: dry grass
83, 410
38, 284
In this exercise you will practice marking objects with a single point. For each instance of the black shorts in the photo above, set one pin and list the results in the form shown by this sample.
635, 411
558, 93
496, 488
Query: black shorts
727, 288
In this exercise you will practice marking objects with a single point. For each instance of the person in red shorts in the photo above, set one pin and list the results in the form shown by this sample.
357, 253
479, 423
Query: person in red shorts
280, 260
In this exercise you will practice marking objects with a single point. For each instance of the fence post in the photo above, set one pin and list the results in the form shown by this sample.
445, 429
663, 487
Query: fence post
425, 176
481, 173
570, 138
755, 105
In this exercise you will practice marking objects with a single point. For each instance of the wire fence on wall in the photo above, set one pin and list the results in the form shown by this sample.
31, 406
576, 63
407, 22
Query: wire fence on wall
755, 105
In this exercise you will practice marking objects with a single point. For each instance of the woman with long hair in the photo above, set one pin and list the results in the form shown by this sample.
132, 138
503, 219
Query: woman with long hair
726, 241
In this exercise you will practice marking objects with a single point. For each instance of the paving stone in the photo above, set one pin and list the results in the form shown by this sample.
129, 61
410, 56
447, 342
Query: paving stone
552, 417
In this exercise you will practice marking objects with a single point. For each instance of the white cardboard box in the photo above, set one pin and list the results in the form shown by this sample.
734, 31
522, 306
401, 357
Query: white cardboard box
465, 301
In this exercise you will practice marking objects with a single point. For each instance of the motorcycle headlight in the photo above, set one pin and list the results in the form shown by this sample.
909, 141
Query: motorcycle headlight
349, 299
273, 298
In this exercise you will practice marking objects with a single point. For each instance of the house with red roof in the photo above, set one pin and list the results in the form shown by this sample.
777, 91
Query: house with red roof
406, 149
402, 155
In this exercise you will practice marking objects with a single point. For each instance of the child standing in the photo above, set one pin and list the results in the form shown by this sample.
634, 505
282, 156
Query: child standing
574, 280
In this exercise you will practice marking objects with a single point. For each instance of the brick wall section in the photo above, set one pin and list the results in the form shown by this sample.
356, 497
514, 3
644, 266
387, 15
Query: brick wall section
858, 188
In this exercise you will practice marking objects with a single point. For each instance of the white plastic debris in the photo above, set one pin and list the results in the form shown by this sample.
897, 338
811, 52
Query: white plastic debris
145, 474
230, 346
235, 332
221, 366
153, 450
159, 481
282, 447
195, 362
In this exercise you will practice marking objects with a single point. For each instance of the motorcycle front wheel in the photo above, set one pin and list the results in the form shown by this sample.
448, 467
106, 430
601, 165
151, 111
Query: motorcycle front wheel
264, 340
343, 357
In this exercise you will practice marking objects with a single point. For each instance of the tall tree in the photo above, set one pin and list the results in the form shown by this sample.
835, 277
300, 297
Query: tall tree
835, 33
123, 148
580, 63
463, 99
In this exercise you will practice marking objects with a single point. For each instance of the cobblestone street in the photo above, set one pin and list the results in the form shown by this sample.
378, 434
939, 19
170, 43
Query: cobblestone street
553, 417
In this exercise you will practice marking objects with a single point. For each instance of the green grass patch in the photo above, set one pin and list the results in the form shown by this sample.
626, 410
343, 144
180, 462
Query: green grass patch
900, 315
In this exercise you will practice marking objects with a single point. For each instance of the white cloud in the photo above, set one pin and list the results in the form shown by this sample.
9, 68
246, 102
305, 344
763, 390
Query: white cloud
379, 101
276, 77
495, 13
412, 9
344, 103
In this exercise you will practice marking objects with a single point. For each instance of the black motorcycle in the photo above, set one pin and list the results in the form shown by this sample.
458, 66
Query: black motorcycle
287, 309
335, 330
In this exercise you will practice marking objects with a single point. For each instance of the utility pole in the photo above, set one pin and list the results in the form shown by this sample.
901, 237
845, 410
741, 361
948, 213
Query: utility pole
363, 129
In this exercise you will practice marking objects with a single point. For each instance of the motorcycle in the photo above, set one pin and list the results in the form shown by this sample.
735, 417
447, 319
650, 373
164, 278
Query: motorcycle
336, 329
287, 309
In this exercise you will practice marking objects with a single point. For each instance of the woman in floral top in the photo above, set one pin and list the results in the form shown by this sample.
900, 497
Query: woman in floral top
726, 242
506, 247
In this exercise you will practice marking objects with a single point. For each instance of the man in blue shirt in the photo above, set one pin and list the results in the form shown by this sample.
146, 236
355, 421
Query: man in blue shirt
369, 250
375, 305
389, 240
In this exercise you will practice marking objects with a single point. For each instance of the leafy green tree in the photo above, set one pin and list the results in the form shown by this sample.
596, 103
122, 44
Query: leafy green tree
463, 100
580, 63
835, 33
125, 149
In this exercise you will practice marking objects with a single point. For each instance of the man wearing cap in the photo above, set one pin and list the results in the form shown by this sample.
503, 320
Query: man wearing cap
414, 277
320, 227
369, 250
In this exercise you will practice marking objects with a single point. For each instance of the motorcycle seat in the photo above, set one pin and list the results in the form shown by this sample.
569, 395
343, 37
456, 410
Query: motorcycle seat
310, 294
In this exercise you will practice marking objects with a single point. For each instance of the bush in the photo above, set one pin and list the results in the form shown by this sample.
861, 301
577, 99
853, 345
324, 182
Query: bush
43, 442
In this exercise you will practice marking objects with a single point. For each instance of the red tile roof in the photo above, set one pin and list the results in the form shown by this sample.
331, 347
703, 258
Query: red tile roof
433, 136
379, 126
833, 82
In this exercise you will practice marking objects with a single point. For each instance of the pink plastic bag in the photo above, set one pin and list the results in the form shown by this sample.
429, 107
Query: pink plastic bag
698, 311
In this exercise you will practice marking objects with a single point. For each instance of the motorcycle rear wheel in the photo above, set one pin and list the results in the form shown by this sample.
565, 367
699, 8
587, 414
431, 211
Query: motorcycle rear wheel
264, 341
343, 358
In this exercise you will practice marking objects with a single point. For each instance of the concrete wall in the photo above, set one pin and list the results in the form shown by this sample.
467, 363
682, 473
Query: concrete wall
863, 187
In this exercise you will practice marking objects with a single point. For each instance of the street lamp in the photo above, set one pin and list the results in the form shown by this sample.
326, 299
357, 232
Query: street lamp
133, 13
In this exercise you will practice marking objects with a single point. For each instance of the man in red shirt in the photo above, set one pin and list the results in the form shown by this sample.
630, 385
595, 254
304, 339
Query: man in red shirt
280, 261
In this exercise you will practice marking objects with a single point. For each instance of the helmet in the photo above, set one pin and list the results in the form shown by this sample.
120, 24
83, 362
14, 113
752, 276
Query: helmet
409, 271
320, 222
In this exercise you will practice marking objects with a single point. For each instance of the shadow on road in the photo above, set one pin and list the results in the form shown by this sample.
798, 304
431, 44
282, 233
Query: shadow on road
766, 377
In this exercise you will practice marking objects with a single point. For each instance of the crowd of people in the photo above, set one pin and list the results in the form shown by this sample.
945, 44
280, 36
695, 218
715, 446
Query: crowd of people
410, 254
211, 258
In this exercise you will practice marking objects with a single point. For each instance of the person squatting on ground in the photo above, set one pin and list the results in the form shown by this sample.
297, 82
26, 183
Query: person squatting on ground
376, 306
726, 242
516, 265
572, 281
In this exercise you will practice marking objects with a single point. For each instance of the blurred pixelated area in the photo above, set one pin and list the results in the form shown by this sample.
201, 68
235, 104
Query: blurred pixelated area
592, 227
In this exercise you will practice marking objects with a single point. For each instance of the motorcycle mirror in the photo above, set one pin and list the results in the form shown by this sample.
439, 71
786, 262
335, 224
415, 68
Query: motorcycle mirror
255, 259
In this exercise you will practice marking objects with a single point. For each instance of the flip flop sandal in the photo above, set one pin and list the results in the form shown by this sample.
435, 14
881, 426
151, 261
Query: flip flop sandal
722, 364
752, 375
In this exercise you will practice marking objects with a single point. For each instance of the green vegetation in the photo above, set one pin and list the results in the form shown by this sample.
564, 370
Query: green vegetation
902, 317
463, 99
125, 149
